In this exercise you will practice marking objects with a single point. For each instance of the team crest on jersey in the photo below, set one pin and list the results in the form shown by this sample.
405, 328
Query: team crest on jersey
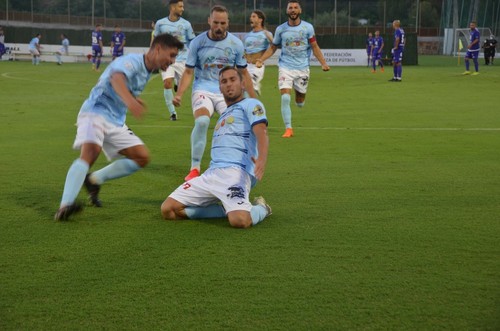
258, 111
230, 120
128, 65
228, 51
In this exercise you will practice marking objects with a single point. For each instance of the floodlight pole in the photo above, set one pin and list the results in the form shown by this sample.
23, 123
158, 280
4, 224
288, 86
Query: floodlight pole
7, 9
93, 13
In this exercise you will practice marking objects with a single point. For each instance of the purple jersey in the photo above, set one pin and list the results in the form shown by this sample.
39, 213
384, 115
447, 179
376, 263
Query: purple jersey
399, 34
118, 39
378, 43
474, 35
96, 39
369, 43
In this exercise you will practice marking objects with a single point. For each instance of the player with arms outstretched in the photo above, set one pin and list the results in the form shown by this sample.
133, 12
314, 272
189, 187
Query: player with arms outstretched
297, 40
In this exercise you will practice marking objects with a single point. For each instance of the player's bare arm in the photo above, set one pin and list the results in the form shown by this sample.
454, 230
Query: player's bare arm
186, 78
317, 52
260, 131
135, 105
248, 82
267, 54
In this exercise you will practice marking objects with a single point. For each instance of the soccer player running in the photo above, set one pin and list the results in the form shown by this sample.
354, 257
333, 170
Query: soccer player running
256, 42
96, 47
397, 51
297, 39
239, 154
369, 49
182, 29
35, 49
64, 50
209, 52
101, 123
473, 50
118, 41
377, 47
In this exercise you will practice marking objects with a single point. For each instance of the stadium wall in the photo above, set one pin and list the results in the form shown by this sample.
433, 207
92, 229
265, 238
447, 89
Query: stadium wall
16, 34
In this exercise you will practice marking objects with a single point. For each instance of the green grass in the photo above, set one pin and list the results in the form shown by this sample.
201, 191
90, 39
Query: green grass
386, 212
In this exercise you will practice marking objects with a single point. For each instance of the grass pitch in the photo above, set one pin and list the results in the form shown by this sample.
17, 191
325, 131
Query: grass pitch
386, 211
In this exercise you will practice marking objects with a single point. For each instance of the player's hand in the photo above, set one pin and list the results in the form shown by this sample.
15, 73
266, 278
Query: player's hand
258, 63
177, 101
137, 108
259, 168
325, 67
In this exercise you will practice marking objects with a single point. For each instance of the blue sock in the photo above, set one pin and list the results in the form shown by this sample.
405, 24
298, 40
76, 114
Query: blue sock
211, 211
74, 181
476, 64
400, 71
199, 140
58, 57
119, 168
286, 111
300, 104
169, 97
33, 60
374, 65
98, 63
467, 65
395, 69
258, 214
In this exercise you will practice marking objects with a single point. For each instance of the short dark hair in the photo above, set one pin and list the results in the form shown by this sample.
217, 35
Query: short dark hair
223, 70
167, 40
294, 1
219, 9
260, 14
174, 2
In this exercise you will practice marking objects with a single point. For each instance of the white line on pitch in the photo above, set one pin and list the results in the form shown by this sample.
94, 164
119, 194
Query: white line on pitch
337, 128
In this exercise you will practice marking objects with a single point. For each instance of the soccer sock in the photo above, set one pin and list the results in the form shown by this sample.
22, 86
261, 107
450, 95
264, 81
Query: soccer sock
286, 111
476, 64
199, 140
169, 97
374, 65
58, 57
300, 104
400, 71
211, 211
33, 60
395, 69
74, 181
467, 65
98, 63
258, 213
119, 168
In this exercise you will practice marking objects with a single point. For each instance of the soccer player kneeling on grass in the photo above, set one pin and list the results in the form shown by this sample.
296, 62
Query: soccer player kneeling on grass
101, 123
239, 155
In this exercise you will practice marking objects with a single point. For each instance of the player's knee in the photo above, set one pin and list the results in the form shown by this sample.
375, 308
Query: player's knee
202, 121
142, 159
240, 221
167, 210
168, 84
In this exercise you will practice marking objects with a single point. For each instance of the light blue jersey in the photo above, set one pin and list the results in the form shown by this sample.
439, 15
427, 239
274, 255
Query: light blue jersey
65, 44
234, 143
181, 29
208, 57
103, 99
35, 41
295, 45
256, 42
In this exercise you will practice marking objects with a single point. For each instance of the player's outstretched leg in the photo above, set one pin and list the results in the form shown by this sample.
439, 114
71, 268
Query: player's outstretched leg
74, 181
169, 97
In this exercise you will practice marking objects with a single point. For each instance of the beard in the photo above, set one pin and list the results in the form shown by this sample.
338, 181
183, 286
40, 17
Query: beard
293, 17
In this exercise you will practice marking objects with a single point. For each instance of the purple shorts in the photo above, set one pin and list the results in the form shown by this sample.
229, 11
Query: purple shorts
472, 55
397, 56
96, 51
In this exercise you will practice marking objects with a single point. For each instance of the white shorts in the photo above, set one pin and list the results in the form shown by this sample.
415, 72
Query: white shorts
257, 75
231, 186
211, 101
93, 128
175, 70
34, 51
296, 79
